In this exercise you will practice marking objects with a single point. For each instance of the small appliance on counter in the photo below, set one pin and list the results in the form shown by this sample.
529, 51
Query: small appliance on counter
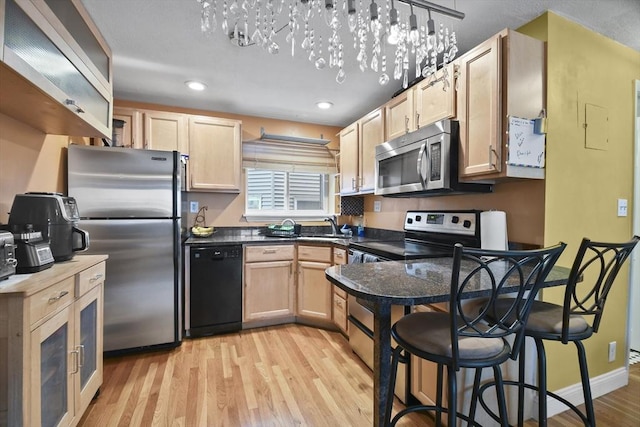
53, 215
7, 255
32, 251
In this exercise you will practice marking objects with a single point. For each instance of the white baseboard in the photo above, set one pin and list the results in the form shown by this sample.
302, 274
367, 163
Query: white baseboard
600, 386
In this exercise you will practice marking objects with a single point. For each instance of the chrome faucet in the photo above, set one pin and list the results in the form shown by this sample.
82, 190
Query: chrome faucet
334, 225
284, 221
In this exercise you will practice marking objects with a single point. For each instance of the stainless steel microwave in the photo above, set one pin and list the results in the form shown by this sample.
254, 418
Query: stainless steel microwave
423, 163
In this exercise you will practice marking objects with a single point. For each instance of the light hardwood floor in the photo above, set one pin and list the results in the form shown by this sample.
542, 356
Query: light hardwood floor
289, 375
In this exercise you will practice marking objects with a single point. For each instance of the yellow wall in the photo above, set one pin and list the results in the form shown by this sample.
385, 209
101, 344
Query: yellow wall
583, 185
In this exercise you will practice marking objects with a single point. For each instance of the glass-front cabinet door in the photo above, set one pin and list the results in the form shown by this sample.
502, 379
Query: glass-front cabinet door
52, 365
89, 347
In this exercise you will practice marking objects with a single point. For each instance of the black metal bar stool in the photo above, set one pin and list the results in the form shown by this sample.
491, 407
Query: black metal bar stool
458, 340
594, 270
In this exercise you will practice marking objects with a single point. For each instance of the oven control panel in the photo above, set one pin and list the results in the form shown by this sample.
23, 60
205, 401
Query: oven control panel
463, 223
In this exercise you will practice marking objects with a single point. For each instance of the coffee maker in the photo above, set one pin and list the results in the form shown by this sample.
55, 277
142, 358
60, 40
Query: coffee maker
55, 216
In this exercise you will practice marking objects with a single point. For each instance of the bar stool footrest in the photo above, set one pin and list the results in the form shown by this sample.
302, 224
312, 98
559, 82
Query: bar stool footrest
561, 399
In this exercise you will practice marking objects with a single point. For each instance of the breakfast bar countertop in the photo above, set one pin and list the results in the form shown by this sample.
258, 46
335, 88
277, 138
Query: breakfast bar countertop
411, 282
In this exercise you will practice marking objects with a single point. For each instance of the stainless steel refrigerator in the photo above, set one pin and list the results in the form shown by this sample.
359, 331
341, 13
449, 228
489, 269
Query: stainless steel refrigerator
129, 202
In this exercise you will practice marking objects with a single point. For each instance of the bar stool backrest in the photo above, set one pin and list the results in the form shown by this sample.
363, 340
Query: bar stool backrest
520, 273
587, 297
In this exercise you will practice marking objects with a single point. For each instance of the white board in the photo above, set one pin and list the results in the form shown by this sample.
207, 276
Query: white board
526, 148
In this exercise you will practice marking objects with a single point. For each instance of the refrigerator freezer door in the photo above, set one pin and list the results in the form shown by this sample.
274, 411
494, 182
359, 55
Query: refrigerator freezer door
141, 298
112, 182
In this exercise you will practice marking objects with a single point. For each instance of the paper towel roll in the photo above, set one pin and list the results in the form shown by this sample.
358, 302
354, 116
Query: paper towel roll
493, 226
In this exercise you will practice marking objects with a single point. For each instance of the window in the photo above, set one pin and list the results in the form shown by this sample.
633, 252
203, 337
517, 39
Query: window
276, 193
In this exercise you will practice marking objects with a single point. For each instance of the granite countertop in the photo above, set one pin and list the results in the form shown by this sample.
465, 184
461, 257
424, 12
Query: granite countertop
412, 282
235, 236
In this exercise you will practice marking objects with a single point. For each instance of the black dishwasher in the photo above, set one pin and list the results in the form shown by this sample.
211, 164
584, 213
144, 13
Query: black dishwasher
213, 290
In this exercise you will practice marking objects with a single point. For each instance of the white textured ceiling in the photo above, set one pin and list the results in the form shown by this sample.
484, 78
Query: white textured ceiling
157, 45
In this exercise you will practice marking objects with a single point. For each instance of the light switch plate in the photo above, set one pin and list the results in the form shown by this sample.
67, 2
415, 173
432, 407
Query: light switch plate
377, 206
622, 207
193, 207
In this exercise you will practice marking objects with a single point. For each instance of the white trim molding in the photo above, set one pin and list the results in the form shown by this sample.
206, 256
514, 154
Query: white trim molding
600, 385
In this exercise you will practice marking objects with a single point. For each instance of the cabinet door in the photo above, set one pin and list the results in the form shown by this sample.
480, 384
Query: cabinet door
399, 115
132, 130
215, 155
53, 363
88, 342
432, 102
371, 134
349, 159
268, 290
165, 131
314, 290
479, 108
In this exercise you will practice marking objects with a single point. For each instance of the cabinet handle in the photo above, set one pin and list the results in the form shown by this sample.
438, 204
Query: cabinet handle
268, 251
73, 103
406, 124
290, 269
491, 151
353, 183
417, 120
76, 358
96, 277
80, 349
339, 303
56, 298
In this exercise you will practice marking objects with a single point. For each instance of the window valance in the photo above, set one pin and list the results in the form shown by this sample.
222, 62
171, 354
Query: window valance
288, 156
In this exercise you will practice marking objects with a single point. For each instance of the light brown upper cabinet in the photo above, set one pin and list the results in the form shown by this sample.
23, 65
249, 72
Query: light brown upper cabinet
132, 129
421, 105
215, 154
165, 131
501, 77
357, 153
71, 92
433, 100
399, 115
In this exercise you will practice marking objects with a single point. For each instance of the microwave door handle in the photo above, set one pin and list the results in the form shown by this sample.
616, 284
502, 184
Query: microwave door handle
422, 157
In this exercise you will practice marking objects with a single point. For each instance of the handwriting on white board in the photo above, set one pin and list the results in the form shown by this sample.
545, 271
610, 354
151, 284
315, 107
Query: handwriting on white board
526, 148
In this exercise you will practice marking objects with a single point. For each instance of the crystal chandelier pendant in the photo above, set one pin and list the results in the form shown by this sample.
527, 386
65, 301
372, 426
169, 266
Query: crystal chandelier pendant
377, 32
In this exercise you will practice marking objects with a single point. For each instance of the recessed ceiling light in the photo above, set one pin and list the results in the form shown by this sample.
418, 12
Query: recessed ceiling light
194, 85
324, 105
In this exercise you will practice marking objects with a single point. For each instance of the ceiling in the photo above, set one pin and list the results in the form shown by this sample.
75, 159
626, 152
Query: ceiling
157, 45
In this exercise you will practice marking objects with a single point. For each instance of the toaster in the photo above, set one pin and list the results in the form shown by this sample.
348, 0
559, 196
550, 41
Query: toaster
8, 260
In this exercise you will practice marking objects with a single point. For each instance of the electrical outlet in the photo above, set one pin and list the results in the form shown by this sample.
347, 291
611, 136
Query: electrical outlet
622, 207
193, 207
612, 351
377, 206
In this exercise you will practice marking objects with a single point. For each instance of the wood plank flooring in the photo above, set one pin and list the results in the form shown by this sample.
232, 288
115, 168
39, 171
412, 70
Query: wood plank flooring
288, 375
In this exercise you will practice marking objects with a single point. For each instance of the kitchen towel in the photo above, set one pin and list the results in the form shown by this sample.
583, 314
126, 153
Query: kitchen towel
493, 226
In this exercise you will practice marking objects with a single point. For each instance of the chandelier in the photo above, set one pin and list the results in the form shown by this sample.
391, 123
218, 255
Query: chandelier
377, 31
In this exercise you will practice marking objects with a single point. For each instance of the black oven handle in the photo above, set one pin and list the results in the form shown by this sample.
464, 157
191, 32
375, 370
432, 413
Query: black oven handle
423, 155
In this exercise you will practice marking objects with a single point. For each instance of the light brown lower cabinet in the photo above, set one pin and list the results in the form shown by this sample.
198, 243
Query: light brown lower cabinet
268, 282
314, 290
424, 374
51, 344
340, 301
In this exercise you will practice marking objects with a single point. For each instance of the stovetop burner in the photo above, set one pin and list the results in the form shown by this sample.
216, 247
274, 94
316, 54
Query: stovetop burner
428, 234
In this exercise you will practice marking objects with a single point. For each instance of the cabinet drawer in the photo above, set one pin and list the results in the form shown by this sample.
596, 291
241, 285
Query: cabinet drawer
314, 253
340, 292
339, 256
89, 278
268, 253
340, 312
49, 300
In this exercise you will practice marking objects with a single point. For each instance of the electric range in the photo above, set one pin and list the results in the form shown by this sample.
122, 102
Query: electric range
428, 234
